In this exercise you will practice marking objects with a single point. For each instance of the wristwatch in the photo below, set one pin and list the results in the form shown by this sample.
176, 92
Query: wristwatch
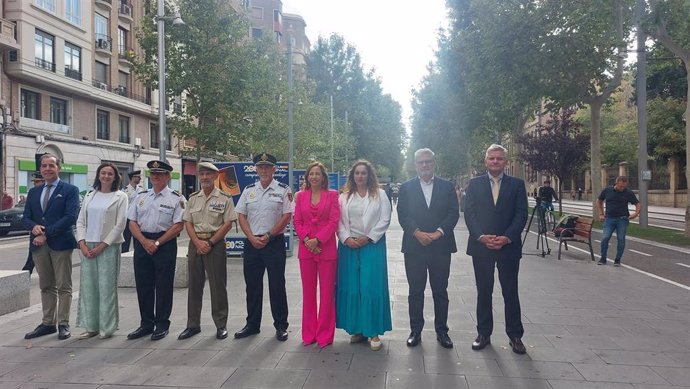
157, 243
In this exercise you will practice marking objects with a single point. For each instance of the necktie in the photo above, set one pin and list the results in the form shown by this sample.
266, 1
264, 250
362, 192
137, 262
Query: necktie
495, 186
47, 196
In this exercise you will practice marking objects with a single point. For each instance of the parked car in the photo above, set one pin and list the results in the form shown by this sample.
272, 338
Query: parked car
11, 220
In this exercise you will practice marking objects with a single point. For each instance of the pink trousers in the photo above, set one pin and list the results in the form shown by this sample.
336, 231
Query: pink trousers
319, 327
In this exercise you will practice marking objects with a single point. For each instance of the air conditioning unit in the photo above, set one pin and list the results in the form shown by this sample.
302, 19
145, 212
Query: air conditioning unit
103, 86
137, 141
103, 44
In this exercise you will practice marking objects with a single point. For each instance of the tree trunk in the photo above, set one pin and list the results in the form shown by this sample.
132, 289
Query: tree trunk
595, 152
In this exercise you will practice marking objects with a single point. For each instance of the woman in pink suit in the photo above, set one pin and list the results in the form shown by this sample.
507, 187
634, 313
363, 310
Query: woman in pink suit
316, 221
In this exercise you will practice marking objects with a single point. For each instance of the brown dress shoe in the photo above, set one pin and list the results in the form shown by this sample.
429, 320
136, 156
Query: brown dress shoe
518, 346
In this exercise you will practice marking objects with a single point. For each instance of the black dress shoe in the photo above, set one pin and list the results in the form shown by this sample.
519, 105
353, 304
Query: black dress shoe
139, 332
188, 333
518, 346
221, 333
414, 339
63, 331
281, 335
246, 331
444, 339
481, 342
41, 330
159, 334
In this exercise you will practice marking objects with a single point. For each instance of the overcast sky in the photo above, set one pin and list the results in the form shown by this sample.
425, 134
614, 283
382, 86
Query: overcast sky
396, 37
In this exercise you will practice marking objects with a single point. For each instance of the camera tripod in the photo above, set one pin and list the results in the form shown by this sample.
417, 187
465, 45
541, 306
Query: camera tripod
542, 240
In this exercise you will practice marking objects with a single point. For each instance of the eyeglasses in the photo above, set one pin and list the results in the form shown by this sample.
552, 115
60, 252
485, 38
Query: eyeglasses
425, 162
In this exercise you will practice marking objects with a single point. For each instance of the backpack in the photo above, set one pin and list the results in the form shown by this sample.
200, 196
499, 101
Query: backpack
564, 227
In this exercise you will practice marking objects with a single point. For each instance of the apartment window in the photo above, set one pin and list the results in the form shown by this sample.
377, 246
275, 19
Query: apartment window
153, 135
58, 111
30, 104
48, 5
124, 129
102, 124
73, 11
44, 44
101, 74
257, 32
72, 61
257, 13
122, 42
101, 25
277, 16
122, 79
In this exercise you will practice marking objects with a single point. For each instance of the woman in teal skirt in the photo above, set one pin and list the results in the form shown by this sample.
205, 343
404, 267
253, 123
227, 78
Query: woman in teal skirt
362, 298
100, 225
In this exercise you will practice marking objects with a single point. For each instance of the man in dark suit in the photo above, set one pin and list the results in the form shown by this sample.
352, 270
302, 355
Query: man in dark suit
495, 214
51, 211
428, 211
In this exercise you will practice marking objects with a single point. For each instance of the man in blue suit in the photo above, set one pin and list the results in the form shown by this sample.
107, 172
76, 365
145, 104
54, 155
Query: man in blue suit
428, 211
51, 211
495, 214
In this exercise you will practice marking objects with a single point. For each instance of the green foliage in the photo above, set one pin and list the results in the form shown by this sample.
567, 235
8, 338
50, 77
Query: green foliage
666, 131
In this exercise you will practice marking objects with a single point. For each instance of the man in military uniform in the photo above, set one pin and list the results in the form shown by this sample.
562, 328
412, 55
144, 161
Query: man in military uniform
132, 190
207, 219
264, 209
155, 219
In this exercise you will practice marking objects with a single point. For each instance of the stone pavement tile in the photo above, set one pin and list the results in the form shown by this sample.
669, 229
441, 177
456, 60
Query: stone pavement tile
618, 322
35, 354
186, 376
646, 343
682, 333
578, 303
546, 329
553, 319
130, 387
255, 359
491, 351
675, 375
177, 358
568, 342
200, 342
14, 385
477, 382
43, 341
325, 360
620, 373
572, 355
117, 341
538, 369
462, 366
644, 386
683, 359
563, 384
32, 385
432, 381
428, 347
95, 374
389, 363
634, 314
96, 356
594, 330
267, 378
6, 367
668, 324
564, 311
641, 358
338, 379
292, 345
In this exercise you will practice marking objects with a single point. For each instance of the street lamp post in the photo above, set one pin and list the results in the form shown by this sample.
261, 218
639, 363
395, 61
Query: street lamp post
291, 142
176, 21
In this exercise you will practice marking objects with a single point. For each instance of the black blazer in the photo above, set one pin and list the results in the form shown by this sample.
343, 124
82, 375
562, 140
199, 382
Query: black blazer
443, 212
59, 217
507, 218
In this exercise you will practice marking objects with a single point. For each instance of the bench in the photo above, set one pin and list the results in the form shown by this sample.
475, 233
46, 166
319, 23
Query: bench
581, 233
15, 288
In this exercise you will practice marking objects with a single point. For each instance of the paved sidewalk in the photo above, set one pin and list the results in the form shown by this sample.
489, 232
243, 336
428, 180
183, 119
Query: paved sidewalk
587, 326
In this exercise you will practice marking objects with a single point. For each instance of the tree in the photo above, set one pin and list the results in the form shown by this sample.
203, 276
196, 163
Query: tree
558, 148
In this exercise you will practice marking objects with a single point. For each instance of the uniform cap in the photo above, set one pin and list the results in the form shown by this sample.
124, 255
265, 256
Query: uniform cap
207, 166
264, 159
134, 173
159, 167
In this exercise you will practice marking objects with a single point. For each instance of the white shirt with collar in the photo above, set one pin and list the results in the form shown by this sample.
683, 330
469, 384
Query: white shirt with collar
427, 189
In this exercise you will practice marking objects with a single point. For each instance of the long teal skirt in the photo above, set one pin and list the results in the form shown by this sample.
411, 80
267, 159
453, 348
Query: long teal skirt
98, 309
362, 300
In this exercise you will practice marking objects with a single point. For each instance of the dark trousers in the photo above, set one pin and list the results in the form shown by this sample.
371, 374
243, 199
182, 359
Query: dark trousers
416, 267
272, 260
155, 277
508, 277
128, 238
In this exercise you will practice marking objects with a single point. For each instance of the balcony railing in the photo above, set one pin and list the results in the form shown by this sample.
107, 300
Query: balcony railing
43, 64
71, 73
120, 90
103, 42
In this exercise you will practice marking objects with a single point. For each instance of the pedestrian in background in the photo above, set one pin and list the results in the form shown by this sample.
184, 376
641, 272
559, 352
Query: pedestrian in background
50, 213
428, 211
316, 221
208, 217
617, 216
496, 214
100, 224
362, 296
7, 201
131, 190
155, 219
264, 210
37, 180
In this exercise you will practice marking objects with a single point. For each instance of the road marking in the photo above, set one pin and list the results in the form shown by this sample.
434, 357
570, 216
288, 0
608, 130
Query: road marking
627, 267
682, 264
640, 252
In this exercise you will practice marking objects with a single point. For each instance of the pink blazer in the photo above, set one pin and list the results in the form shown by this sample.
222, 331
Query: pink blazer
324, 226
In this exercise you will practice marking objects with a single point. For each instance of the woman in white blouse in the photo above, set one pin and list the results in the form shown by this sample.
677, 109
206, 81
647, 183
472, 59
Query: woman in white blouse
100, 225
362, 297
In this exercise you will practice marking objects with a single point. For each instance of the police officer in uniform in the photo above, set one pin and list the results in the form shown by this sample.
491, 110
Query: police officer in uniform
155, 219
131, 190
207, 219
264, 209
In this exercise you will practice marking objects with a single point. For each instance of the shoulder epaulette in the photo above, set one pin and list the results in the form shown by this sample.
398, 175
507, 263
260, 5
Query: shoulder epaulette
144, 191
176, 193
251, 185
225, 194
282, 185
195, 193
